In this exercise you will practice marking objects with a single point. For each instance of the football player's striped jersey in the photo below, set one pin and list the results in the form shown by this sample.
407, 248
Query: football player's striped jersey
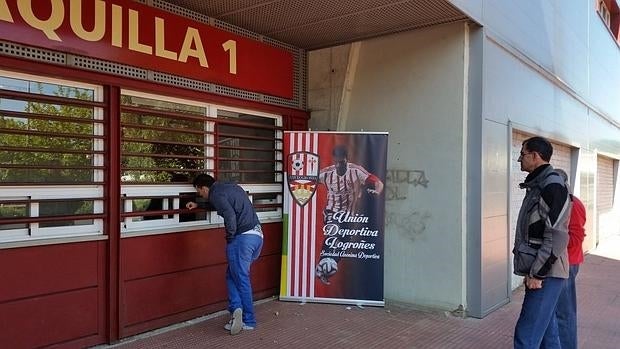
342, 190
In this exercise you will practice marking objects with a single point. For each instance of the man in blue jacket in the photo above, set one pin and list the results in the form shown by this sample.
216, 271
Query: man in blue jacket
244, 239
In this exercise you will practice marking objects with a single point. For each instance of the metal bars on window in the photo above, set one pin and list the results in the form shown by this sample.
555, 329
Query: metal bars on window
162, 141
50, 133
166, 141
248, 147
51, 158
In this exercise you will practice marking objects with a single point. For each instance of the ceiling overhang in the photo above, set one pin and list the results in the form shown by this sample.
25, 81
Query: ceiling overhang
314, 24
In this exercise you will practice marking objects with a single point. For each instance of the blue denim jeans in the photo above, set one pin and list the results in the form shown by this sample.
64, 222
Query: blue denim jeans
240, 253
566, 311
537, 326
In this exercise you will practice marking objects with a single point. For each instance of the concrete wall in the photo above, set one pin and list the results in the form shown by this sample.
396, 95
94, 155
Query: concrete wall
565, 37
412, 85
328, 70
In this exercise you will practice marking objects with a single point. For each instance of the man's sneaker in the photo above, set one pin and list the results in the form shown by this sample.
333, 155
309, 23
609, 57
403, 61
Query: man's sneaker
237, 322
245, 327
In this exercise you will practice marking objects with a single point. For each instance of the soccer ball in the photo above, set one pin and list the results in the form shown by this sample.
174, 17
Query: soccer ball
327, 267
298, 164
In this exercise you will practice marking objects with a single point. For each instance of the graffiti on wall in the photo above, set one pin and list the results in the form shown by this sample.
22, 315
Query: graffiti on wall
399, 181
409, 222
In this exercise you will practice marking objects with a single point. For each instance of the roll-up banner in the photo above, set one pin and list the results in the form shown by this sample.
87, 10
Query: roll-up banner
334, 214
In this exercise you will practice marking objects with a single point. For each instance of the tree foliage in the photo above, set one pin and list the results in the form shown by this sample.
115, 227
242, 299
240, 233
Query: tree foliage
164, 148
48, 140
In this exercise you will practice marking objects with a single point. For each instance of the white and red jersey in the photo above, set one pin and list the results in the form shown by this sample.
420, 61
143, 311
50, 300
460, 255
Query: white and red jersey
342, 190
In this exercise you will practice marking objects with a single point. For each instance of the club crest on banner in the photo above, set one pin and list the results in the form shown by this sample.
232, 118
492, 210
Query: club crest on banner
302, 175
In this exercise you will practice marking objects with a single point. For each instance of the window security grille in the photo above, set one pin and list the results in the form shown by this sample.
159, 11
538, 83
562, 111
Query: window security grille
51, 158
165, 142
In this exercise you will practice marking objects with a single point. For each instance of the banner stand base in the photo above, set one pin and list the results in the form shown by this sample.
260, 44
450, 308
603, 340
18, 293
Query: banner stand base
365, 302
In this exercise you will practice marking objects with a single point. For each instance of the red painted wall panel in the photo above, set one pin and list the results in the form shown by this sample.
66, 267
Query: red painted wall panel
53, 294
158, 254
272, 242
31, 271
266, 273
148, 302
173, 277
45, 320
166, 253
159, 296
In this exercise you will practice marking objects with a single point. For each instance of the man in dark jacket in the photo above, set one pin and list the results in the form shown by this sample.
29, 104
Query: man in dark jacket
541, 238
244, 239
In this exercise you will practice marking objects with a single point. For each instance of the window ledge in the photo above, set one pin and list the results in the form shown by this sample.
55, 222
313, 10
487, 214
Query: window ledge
179, 229
42, 241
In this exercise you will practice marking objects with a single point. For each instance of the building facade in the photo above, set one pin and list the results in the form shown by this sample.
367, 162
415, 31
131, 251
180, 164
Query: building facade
458, 99
108, 108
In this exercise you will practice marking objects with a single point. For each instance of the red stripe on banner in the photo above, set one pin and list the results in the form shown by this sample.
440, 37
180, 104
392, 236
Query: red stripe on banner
313, 148
311, 231
307, 233
302, 232
296, 234
312, 225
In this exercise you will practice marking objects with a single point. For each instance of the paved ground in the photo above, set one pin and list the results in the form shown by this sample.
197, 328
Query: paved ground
294, 325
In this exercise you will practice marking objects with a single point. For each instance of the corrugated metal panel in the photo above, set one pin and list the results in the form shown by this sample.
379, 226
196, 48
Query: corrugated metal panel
604, 184
607, 216
312, 24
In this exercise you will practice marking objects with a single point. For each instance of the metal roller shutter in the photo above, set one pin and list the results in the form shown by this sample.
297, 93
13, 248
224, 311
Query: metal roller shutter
605, 197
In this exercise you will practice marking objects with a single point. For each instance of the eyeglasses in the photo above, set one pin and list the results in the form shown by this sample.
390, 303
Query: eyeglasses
522, 154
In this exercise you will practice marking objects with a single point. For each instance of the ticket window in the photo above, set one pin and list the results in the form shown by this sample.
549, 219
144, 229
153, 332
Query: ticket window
166, 142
